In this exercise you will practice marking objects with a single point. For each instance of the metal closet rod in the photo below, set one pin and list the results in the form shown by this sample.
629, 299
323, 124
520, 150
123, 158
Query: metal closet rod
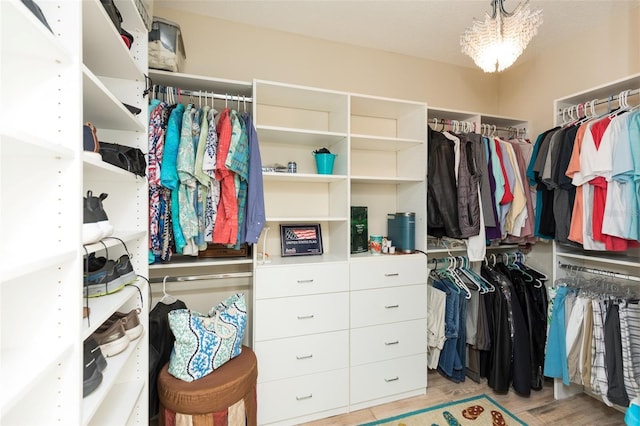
447, 121
600, 101
200, 93
598, 272
168, 278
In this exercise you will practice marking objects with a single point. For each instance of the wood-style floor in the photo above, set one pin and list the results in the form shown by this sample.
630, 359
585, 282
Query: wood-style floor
539, 409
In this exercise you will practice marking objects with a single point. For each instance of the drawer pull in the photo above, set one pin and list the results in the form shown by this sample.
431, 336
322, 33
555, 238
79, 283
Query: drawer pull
395, 274
304, 356
392, 379
301, 317
391, 306
391, 343
304, 281
301, 398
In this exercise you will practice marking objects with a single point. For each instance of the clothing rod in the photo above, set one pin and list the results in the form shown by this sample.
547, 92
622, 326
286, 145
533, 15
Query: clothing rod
447, 122
598, 101
201, 277
598, 272
202, 93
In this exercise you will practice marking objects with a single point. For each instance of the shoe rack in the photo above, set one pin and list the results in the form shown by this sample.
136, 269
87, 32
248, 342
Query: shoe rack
51, 83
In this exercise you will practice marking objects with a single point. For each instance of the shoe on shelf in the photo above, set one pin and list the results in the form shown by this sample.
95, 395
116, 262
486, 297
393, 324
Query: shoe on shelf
91, 231
125, 270
102, 277
91, 374
96, 352
112, 339
95, 205
130, 321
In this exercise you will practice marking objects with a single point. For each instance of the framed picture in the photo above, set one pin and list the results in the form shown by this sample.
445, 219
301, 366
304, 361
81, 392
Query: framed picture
301, 240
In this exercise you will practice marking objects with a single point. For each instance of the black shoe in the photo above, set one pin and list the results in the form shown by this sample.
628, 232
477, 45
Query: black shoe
91, 375
94, 204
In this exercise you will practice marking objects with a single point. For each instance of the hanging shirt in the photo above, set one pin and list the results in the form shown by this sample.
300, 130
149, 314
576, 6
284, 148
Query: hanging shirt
186, 191
209, 169
225, 230
255, 213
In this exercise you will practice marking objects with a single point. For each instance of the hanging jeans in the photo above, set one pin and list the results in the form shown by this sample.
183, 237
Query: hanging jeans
449, 359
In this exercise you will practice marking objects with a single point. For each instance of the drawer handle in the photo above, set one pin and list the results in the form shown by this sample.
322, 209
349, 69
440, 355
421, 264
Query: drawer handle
391, 306
301, 398
301, 317
395, 274
304, 356
391, 343
305, 281
392, 380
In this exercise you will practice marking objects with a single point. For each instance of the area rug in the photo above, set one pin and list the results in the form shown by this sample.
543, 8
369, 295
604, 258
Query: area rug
475, 411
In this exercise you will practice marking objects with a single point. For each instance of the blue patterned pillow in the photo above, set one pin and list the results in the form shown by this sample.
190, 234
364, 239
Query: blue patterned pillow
205, 342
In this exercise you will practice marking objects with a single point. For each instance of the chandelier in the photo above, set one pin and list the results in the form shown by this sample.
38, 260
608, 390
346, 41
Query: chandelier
495, 43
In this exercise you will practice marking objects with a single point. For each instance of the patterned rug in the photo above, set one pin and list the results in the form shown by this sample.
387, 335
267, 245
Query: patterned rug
475, 411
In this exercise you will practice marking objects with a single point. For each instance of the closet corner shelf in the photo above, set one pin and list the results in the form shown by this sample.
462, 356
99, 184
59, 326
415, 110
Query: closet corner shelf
307, 219
621, 261
102, 307
119, 404
103, 50
132, 20
124, 235
200, 263
301, 177
102, 108
96, 166
92, 403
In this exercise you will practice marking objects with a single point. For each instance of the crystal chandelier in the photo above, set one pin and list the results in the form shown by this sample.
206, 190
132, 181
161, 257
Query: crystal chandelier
495, 43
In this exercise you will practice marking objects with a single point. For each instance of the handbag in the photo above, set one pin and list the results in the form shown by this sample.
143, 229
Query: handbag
125, 157
90, 140
205, 342
114, 14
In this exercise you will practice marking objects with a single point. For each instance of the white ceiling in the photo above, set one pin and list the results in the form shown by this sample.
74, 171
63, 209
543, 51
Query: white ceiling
422, 28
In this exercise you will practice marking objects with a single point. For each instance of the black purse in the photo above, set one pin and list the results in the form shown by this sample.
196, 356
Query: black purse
114, 14
125, 157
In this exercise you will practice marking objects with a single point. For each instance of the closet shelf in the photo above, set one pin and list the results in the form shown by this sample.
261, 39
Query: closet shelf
200, 263
119, 404
391, 180
381, 143
20, 266
102, 307
23, 369
197, 82
99, 168
306, 219
94, 402
36, 41
301, 177
621, 260
300, 97
124, 235
20, 143
103, 50
102, 108
300, 260
288, 135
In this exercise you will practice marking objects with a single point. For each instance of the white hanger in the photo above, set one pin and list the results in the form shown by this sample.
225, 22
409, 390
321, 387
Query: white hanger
167, 299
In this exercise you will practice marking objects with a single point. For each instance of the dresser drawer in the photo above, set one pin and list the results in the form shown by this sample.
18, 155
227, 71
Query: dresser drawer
300, 396
298, 356
297, 316
382, 306
387, 271
381, 342
386, 378
299, 280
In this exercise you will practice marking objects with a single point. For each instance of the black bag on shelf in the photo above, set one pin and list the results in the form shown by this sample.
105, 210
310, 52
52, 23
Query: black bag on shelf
125, 157
114, 14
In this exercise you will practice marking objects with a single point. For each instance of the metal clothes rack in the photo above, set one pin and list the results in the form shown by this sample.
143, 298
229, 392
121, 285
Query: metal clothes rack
594, 102
598, 272
489, 127
201, 277
156, 89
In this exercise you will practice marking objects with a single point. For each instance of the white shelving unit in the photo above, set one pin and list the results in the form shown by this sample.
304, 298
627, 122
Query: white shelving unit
625, 263
44, 176
380, 147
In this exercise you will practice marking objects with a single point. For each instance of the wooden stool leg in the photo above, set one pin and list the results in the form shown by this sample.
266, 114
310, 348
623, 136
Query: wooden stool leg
251, 407
161, 419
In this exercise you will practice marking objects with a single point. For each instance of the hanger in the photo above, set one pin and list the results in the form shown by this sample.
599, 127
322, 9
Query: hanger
167, 299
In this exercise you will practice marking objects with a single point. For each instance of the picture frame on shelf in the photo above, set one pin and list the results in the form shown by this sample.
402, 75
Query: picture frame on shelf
301, 240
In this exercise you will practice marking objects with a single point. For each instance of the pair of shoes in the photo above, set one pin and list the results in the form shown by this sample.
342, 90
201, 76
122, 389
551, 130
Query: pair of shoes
95, 223
106, 276
114, 335
94, 365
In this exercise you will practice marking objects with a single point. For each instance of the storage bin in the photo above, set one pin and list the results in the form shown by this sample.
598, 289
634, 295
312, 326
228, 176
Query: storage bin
166, 48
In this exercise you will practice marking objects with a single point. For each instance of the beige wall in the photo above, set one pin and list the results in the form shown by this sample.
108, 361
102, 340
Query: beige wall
608, 52
223, 49
243, 52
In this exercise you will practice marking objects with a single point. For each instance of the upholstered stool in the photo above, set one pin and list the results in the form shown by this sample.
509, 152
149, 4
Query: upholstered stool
226, 397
